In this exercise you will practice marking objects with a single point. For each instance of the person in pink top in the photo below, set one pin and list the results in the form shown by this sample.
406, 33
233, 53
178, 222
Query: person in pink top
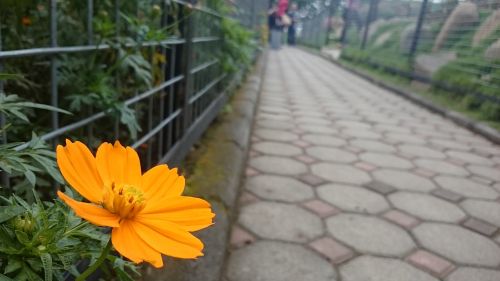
282, 7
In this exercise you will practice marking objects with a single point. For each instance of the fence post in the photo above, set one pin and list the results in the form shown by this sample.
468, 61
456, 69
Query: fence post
188, 54
418, 29
53, 64
369, 17
4, 179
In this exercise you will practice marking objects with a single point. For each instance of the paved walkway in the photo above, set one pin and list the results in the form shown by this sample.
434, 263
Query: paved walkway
346, 181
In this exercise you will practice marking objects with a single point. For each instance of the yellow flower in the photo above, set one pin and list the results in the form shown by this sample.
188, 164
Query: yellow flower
147, 212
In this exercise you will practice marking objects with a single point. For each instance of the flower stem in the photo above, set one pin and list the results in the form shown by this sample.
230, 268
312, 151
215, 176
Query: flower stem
97, 264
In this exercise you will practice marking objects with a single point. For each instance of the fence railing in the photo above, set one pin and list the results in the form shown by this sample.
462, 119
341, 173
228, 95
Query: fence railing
453, 45
188, 92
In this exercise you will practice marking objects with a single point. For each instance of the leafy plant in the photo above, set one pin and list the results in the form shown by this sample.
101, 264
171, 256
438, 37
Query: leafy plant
44, 241
24, 164
20, 161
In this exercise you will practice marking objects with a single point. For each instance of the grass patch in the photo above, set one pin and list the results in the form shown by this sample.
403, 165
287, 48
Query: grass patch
486, 113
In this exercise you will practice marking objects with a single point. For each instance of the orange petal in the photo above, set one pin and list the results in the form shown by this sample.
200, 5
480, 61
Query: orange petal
174, 204
118, 164
77, 165
189, 219
168, 239
161, 182
91, 212
130, 245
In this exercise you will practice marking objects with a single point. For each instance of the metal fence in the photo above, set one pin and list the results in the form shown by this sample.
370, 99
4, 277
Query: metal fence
453, 45
173, 113
251, 13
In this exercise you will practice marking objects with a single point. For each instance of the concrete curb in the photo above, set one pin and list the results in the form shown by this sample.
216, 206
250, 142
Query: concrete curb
218, 180
458, 118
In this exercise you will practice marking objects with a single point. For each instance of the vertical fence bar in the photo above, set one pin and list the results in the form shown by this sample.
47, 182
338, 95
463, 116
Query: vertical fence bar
118, 84
90, 41
369, 18
347, 21
5, 177
53, 64
163, 23
188, 53
418, 30
149, 148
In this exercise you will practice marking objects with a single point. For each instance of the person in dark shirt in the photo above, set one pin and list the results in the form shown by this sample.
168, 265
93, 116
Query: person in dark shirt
292, 13
275, 28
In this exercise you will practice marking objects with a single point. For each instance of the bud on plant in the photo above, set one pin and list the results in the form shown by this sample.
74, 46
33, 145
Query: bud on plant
24, 223
103, 14
156, 10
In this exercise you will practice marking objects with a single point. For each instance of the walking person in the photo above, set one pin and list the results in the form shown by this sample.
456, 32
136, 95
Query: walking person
275, 28
292, 31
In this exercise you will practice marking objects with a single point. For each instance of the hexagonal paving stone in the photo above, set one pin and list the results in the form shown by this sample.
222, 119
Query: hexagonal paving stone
268, 116
485, 210
350, 198
466, 187
331, 154
386, 160
421, 151
274, 108
474, 274
278, 261
392, 128
427, 207
318, 129
442, 167
361, 134
470, 157
370, 234
340, 173
278, 165
280, 221
276, 135
488, 150
368, 268
279, 188
491, 173
274, 124
277, 148
313, 120
352, 124
404, 180
405, 138
451, 144
323, 140
458, 244
372, 145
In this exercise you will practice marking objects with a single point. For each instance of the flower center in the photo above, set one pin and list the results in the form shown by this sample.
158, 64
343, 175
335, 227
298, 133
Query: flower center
125, 200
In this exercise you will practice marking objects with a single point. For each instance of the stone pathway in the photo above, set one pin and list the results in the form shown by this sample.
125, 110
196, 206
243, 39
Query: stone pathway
346, 181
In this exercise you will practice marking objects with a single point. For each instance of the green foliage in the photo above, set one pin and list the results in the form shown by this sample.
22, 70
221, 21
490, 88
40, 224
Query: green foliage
12, 106
237, 47
43, 241
28, 164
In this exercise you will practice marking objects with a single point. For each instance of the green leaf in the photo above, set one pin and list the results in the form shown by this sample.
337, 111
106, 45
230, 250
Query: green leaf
12, 266
30, 176
123, 275
23, 238
5, 278
8, 212
47, 265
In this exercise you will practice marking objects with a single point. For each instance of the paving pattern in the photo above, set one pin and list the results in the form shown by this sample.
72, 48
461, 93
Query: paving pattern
348, 182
